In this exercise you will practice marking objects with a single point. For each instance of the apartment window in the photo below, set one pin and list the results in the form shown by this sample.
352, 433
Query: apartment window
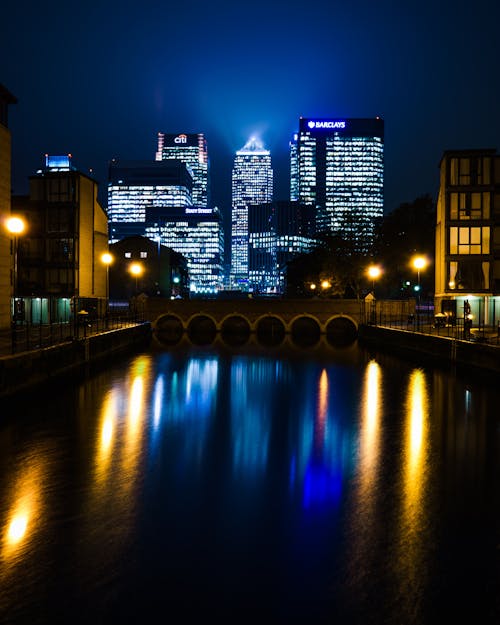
475, 240
144, 254
128, 254
465, 206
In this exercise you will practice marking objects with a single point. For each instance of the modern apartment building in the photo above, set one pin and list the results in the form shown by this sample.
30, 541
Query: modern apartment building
252, 183
59, 256
337, 166
467, 262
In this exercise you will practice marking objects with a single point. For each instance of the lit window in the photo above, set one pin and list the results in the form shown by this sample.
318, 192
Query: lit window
128, 254
144, 254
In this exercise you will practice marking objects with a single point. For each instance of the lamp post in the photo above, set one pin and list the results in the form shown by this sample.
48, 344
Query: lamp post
136, 269
15, 226
107, 259
374, 272
419, 263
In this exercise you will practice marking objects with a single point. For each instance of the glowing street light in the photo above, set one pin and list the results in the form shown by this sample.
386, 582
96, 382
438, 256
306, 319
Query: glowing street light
419, 263
107, 259
136, 269
374, 272
325, 284
15, 226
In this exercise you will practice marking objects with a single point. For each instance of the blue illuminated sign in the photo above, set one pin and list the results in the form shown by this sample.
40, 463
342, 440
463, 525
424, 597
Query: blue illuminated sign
58, 163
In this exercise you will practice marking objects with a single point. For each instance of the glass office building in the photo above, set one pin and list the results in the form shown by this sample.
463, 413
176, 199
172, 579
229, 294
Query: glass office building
252, 183
197, 233
277, 231
134, 186
191, 149
339, 166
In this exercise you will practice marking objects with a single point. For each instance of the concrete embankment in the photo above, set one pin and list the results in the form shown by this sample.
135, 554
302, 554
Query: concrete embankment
27, 369
428, 347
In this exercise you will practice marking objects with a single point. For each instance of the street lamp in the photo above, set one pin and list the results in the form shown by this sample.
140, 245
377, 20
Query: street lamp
136, 269
374, 272
107, 259
419, 263
15, 226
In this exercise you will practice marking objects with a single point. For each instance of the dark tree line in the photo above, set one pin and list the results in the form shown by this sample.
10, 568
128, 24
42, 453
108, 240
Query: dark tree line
335, 263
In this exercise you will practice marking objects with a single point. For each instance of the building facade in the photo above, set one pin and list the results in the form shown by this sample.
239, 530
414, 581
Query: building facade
191, 149
277, 232
337, 166
134, 186
6, 241
467, 263
59, 257
252, 183
197, 233
141, 266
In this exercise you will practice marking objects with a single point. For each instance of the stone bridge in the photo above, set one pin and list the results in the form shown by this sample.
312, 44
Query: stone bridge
269, 320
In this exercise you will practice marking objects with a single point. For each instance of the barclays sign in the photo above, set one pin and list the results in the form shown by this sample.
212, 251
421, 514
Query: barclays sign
335, 124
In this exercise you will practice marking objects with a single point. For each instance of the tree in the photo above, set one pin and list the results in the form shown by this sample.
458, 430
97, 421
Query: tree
408, 230
334, 262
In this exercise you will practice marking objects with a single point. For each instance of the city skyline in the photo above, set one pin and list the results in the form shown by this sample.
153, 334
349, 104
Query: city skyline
105, 89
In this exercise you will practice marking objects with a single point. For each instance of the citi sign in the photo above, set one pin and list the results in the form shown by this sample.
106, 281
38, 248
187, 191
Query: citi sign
339, 125
181, 139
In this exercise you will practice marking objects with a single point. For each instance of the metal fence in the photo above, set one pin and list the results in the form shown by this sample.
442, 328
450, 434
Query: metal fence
29, 336
412, 316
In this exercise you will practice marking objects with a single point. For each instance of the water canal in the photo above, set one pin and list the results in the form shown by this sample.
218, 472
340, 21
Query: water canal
330, 486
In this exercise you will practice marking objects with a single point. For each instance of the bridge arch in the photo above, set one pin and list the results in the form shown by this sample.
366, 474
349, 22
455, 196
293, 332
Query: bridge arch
168, 329
235, 329
270, 330
341, 330
201, 329
305, 330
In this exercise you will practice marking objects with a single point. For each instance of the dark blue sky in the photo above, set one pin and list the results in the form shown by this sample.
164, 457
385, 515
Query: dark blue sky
100, 80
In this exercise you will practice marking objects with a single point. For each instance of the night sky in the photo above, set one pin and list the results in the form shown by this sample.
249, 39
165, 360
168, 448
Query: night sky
99, 80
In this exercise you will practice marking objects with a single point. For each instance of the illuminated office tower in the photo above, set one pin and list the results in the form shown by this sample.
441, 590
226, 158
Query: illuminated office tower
277, 232
191, 149
134, 186
340, 168
252, 183
197, 233
294, 170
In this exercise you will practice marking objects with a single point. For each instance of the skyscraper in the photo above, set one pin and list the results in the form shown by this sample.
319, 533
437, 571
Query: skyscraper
191, 149
197, 234
339, 164
252, 183
277, 232
136, 185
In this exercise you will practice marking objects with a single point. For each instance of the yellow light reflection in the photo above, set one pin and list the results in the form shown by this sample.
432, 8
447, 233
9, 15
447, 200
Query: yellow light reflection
412, 539
134, 426
106, 433
370, 424
416, 411
17, 528
322, 412
24, 513
362, 514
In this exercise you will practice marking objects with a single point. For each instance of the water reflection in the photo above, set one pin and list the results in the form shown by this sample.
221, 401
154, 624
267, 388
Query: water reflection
24, 512
413, 520
363, 528
251, 413
204, 478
